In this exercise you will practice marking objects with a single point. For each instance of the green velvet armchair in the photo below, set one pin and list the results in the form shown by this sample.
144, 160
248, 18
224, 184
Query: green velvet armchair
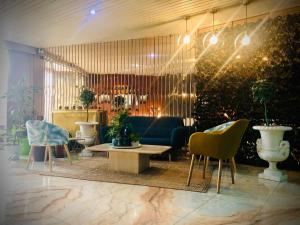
219, 144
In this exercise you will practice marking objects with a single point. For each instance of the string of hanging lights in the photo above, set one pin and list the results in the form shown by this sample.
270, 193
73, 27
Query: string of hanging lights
212, 38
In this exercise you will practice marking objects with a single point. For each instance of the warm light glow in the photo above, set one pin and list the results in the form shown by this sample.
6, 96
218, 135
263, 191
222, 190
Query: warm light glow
152, 55
213, 39
158, 114
226, 115
184, 95
265, 58
238, 57
92, 11
245, 40
186, 39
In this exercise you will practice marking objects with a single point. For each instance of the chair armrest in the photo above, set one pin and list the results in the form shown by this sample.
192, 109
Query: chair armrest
179, 137
208, 144
103, 135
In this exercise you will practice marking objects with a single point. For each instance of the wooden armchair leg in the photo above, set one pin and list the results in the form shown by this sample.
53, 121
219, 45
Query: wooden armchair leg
207, 161
50, 157
191, 170
234, 164
29, 157
68, 153
231, 170
46, 154
200, 157
204, 166
219, 176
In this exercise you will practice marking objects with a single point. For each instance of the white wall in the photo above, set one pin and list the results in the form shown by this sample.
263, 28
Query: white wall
21, 60
4, 64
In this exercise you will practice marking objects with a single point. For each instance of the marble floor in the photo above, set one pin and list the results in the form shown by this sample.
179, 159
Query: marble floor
28, 199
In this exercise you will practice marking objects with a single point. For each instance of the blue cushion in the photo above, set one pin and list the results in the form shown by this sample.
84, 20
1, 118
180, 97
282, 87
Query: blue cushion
219, 127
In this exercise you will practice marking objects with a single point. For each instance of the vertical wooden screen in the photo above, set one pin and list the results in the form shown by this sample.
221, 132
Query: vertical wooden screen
148, 76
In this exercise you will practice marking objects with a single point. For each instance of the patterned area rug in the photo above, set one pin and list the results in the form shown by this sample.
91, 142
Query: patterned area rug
162, 174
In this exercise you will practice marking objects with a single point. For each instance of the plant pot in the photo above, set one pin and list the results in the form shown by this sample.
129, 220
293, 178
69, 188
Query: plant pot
115, 142
272, 148
87, 133
59, 151
38, 153
135, 143
24, 146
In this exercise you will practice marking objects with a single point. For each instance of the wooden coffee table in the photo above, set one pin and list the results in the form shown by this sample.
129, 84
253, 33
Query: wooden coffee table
129, 160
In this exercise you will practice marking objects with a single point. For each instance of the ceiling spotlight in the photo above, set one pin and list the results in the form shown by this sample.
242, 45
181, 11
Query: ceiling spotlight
213, 39
92, 11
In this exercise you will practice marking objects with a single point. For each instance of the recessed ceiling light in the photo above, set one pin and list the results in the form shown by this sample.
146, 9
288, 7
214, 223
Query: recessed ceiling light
92, 11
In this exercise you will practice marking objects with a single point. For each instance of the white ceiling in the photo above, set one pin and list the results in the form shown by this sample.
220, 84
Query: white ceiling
44, 23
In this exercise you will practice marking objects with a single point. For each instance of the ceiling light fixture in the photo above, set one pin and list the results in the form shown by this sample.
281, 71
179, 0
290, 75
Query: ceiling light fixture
243, 39
246, 39
92, 11
213, 39
187, 38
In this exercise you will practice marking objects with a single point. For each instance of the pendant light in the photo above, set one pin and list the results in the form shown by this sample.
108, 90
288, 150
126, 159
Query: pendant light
187, 38
243, 39
213, 39
246, 39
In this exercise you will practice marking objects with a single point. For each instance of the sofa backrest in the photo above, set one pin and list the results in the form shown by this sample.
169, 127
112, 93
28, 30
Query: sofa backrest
155, 127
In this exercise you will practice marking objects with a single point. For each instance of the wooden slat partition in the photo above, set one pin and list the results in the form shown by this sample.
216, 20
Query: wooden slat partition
153, 75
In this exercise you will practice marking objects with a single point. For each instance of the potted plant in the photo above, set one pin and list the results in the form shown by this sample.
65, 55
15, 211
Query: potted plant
121, 131
20, 98
263, 91
270, 146
87, 97
87, 131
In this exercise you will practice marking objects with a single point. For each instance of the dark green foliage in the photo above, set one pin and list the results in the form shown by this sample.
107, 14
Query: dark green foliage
119, 126
117, 123
225, 75
20, 101
263, 91
87, 97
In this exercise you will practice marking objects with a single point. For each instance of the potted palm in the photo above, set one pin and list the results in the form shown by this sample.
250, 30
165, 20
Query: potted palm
87, 131
270, 146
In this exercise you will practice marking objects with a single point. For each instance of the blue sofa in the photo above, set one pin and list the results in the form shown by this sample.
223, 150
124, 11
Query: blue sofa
168, 131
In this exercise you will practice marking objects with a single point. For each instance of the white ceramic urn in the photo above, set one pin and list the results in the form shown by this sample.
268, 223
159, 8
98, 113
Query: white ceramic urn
88, 135
272, 148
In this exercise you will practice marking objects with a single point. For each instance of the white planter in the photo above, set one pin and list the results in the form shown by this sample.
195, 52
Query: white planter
87, 133
272, 148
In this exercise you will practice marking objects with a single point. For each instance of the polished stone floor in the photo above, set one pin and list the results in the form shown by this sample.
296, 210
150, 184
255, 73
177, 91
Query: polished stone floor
39, 200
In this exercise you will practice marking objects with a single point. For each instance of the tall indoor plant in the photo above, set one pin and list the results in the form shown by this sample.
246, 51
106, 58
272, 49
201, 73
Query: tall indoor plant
271, 146
263, 91
87, 128
20, 98
87, 97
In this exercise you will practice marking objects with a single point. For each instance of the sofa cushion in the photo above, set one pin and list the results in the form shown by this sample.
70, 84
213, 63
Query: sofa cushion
140, 121
154, 127
155, 141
